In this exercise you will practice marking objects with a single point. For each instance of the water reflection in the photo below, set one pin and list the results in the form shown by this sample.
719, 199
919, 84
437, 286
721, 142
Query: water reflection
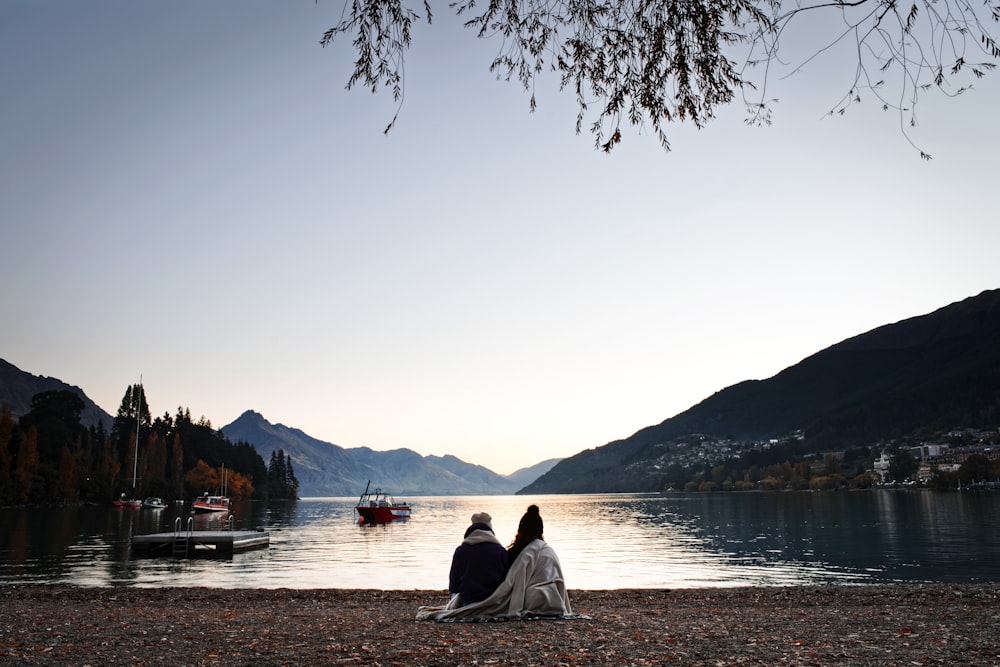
612, 541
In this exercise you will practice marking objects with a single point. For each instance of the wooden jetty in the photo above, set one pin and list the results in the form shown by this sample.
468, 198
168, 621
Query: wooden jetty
189, 542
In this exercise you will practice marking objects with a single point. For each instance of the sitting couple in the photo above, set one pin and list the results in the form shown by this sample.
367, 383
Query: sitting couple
489, 581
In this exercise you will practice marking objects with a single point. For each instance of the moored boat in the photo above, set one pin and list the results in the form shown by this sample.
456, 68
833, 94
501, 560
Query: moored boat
153, 503
207, 503
379, 507
133, 503
124, 503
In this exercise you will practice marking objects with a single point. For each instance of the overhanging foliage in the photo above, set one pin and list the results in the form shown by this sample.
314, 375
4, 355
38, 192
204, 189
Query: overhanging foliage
653, 62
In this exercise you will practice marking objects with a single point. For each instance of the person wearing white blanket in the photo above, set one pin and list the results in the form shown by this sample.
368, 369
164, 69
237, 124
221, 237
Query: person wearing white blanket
534, 585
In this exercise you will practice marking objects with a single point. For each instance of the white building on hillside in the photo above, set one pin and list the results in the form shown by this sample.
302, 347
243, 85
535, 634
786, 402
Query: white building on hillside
882, 466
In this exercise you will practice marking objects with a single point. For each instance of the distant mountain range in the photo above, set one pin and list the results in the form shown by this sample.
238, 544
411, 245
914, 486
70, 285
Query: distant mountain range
326, 469
322, 468
926, 374
922, 375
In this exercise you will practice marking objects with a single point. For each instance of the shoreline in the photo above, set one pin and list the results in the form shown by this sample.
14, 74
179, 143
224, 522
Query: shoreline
867, 625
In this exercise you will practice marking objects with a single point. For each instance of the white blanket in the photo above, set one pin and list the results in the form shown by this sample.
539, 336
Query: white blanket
534, 587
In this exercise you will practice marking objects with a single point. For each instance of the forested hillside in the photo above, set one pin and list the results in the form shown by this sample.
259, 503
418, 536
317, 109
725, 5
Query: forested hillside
49, 456
921, 377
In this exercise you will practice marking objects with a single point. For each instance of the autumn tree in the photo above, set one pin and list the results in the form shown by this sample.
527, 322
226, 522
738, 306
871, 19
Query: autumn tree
6, 457
153, 466
206, 478
68, 474
203, 477
108, 470
238, 486
87, 453
26, 466
831, 464
55, 415
177, 467
652, 63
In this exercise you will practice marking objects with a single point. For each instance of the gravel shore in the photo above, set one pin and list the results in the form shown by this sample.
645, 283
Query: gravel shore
910, 624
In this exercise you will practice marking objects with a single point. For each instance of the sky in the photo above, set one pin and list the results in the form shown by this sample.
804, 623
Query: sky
189, 194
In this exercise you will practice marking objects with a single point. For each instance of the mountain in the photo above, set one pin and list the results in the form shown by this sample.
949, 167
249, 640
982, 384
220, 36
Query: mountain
17, 388
325, 469
926, 374
525, 476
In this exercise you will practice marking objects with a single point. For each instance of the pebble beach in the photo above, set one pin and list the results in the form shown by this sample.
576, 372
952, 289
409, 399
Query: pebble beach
884, 625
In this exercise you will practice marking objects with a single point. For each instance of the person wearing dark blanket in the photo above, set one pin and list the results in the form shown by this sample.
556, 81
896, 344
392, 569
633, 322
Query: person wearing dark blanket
479, 564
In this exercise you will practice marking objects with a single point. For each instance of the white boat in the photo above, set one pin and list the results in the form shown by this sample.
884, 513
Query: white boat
207, 503
153, 503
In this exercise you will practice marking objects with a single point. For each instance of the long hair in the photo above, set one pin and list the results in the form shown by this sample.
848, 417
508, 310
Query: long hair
528, 530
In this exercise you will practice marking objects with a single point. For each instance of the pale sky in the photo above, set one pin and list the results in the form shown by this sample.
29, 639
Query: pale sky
188, 192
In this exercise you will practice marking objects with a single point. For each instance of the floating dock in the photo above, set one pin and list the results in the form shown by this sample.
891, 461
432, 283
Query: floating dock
187, 543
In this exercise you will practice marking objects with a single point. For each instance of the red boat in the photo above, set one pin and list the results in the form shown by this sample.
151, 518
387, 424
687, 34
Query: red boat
123, 503
379, 507
207, 503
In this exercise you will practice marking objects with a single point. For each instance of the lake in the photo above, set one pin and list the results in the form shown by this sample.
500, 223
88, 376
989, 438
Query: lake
603, 541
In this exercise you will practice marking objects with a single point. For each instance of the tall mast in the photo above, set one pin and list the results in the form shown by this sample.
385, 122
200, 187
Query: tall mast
138, 412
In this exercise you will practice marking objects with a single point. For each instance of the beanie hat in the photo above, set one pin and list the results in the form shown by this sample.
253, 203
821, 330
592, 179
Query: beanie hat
531, 522
483, 517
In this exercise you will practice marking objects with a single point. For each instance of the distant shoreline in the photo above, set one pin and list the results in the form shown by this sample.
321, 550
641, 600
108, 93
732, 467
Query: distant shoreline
668, 492
865, 625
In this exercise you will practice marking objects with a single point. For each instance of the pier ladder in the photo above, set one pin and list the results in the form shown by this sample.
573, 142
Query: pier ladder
182, 539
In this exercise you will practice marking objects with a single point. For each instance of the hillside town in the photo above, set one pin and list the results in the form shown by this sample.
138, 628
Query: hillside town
947, 455
963, 458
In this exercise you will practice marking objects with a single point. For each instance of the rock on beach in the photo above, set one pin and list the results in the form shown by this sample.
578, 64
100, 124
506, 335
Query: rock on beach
884, 625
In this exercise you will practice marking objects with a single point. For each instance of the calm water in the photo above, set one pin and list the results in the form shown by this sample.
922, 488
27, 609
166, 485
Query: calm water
603, 541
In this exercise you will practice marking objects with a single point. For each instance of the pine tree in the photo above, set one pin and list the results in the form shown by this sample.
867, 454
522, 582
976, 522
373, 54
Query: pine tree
281, 481
133, 411
291, 482
276, 474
